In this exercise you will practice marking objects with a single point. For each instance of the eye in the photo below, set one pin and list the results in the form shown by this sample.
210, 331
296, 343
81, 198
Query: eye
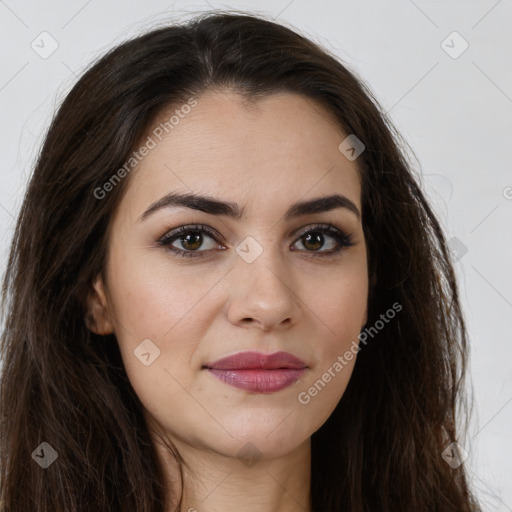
192, 238
314, 238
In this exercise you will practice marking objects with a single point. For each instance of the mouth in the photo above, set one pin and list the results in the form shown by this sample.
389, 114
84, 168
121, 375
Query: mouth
257, 372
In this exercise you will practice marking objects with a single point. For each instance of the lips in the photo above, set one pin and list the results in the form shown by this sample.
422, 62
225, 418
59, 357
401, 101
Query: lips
258, 372
258, 361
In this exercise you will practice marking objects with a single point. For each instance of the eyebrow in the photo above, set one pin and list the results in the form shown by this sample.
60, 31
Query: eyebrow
215, 206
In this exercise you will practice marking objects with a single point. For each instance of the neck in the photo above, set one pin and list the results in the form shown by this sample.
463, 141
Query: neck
212, 481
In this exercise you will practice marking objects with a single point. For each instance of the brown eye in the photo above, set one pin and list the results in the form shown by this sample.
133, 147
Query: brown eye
314, 239
192, 241
313, 242
187, 240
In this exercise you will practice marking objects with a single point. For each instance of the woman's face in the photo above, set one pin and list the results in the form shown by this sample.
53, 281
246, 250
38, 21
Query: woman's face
269, 280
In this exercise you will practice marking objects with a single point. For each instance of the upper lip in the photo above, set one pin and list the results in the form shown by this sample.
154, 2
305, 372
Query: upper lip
256, 360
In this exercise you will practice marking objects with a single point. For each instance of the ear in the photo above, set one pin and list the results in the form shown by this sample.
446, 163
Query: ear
365, 319
98, 317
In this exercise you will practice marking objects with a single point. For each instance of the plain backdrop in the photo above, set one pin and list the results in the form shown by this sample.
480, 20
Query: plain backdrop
442, 69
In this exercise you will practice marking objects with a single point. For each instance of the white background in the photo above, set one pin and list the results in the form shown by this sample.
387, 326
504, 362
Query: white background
456, 113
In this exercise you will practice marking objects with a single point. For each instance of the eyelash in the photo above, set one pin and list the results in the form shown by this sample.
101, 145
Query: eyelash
344, 240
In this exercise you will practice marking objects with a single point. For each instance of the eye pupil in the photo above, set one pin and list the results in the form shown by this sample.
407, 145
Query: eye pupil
196, 243
189, 241
317, 241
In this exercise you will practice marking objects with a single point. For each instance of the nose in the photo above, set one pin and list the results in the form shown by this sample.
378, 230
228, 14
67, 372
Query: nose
262, 293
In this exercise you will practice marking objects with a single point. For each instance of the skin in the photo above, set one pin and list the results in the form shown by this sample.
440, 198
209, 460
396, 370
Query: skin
265, 157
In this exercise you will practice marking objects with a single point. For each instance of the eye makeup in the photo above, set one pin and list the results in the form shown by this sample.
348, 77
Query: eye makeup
194, 233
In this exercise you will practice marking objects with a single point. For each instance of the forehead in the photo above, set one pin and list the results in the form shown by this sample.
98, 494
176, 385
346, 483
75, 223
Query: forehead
274, 151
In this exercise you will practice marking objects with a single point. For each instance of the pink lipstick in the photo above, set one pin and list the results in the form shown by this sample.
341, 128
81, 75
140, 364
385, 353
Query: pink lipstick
258, 372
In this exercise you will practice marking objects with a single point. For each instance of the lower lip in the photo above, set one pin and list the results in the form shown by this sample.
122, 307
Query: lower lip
259, 381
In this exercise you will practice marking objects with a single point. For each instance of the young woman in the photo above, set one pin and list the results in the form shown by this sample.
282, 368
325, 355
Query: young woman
226, 291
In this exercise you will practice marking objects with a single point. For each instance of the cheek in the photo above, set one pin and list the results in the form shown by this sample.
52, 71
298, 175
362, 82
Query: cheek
339, 310
169, 307
340, 302
153, 298
340, 314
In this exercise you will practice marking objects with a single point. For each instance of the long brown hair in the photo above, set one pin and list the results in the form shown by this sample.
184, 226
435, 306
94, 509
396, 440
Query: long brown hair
380, 450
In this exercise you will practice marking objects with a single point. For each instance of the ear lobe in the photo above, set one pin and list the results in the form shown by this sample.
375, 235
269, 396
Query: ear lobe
98, 319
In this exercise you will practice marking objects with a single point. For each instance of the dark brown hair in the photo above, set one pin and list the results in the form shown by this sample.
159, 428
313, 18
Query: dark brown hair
380, 450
